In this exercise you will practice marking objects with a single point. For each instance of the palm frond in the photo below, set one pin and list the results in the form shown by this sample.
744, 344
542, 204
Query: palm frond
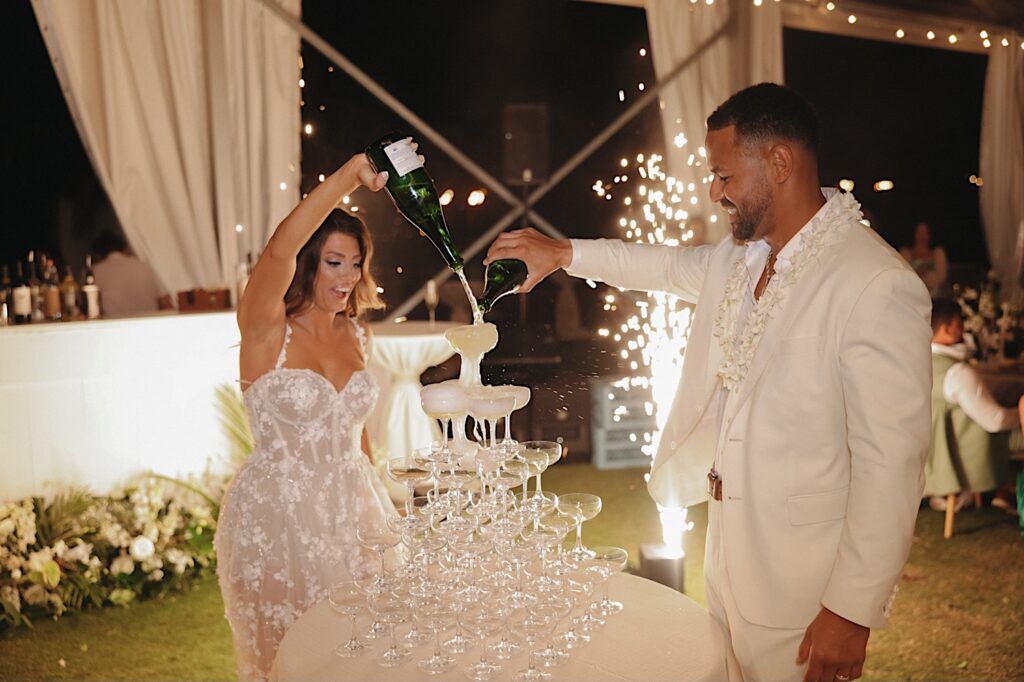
61, 518
235, 421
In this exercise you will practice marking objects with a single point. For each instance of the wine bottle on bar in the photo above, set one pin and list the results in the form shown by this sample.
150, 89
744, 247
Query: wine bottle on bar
503, 277
21, 298
413, 192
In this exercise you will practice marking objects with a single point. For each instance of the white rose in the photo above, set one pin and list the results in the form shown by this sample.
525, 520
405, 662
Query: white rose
16, 573
122, 564
6, 528
142, 548
79, 553
36, 560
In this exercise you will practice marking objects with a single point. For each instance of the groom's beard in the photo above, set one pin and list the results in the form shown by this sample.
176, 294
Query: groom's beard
751, 212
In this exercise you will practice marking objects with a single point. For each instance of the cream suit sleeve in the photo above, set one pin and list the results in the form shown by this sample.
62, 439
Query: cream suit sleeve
885, 364
677, 270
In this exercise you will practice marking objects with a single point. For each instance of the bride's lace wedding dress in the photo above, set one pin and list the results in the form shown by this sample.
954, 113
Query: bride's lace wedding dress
287, 526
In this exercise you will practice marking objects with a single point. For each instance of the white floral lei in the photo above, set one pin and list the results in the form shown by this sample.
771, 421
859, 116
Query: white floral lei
738, 348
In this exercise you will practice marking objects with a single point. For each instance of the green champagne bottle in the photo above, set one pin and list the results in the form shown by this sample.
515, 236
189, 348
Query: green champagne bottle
413, 192
503, 277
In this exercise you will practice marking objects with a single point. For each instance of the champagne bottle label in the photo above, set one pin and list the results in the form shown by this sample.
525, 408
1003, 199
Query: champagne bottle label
22, 301
403, 157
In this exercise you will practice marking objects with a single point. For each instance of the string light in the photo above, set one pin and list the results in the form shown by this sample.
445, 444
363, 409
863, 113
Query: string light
900, 33
622, 95
476, 197
830, 6
321, 177
846, 184
238, 227
852, 19
952, 39
446, 197
1005, 42
308, 128
283, 186
930, 35
643, 51
883, 185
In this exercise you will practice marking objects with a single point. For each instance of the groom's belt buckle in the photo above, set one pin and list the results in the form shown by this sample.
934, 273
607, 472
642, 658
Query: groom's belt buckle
714, 485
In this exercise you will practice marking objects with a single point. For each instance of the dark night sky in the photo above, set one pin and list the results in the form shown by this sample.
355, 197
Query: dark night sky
906, 113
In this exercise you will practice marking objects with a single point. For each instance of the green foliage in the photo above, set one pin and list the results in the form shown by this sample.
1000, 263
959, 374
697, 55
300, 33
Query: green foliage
61, 519
235, 421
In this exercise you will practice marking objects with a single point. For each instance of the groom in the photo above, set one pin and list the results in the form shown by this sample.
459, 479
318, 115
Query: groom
802, 416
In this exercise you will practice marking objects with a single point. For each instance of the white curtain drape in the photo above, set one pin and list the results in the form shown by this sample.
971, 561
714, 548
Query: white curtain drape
1002, 164
189, 110
749, 52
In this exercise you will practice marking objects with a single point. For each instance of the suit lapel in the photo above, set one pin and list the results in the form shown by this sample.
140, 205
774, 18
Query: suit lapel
803, 292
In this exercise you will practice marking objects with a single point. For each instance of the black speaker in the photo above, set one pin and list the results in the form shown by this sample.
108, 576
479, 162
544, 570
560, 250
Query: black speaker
526, 144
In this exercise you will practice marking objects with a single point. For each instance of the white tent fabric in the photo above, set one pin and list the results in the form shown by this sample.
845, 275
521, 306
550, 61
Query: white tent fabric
749, 52
190, 114
1002, 165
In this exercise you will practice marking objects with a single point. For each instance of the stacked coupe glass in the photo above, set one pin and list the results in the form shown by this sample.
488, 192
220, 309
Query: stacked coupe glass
475, 561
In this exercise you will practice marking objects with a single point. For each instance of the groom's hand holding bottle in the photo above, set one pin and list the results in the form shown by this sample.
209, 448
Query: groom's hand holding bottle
542, 254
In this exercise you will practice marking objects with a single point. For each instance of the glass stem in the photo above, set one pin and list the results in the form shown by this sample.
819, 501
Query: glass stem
411, 485
539, 488
579, 536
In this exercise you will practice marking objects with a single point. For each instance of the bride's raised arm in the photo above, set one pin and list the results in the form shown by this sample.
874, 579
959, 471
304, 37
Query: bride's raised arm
261, 310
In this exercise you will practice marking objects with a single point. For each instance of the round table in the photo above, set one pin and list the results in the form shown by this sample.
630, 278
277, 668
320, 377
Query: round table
660, 635
400, 354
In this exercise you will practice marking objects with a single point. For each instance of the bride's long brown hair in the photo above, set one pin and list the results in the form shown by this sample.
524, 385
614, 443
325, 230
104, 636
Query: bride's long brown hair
299, 297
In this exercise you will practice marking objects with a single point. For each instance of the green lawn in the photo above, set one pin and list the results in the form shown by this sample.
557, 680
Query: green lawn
958, 615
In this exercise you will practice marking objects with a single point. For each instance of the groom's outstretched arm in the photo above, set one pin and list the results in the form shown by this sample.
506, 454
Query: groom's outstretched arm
639, 267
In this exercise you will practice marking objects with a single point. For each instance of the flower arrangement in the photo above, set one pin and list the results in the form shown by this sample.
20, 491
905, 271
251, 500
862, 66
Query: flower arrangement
991, 325
151, 537
83, 550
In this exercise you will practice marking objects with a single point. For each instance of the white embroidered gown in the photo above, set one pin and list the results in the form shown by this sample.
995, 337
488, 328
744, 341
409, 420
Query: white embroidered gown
287, 525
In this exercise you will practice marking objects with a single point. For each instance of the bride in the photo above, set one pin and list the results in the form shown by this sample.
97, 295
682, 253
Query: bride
287, 525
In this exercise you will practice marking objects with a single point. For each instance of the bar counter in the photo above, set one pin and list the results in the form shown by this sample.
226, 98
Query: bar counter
91, 403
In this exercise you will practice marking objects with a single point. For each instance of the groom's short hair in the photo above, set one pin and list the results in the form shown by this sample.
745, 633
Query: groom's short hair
768, 113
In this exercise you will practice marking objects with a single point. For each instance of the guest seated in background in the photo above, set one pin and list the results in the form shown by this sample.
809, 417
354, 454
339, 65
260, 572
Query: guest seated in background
970, 430
128, 285
928, 262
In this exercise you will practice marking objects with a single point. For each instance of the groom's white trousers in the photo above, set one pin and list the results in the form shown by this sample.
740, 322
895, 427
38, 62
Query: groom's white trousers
755, 653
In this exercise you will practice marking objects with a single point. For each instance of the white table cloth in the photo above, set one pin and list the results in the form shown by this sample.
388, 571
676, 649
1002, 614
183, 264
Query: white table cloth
401, 353
661, 635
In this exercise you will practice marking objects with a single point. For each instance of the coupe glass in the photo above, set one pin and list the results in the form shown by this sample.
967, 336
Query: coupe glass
488, 404
391, 609
374, 534
532, 625
551, 655
445, 402
550, 448
436, 615
521, 396
407, 472
346, 598
578, 587
615, 559
482, 622
504, 648
579, 507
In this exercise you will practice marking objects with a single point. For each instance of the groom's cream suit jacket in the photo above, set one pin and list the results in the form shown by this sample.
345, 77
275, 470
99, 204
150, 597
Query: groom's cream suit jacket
821, 446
